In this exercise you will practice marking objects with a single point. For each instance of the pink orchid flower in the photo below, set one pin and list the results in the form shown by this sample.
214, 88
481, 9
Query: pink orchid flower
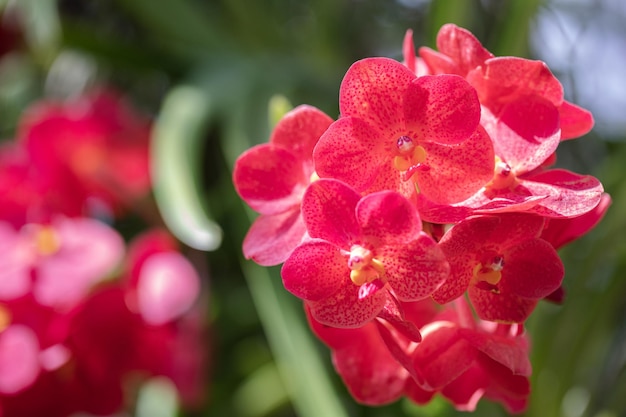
58, 262
363, 252
398, 130
272, 178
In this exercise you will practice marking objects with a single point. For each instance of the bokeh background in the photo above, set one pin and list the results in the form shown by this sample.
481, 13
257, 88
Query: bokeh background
208, 71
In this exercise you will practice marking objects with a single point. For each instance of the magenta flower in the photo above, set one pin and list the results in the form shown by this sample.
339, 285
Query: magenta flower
163, 284
92, 146
272, 178
397, 131
363, 251
502, 263
59, 262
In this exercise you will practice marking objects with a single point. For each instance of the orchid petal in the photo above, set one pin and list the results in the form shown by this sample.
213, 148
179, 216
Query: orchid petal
299, 130
351, 151
328, 209
457, 171
345, 309
316, 270
568, 194
575, 121
502, 307
373, 90
441, 108
271, 238
387, 218
269, 178
533, 269
415, 270
362, 359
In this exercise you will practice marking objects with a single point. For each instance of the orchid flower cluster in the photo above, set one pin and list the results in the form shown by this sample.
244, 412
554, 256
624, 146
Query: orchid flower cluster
421, 227
84, 318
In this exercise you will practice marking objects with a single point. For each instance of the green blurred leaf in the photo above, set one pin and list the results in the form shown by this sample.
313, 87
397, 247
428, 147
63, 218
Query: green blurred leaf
42, 28
176, 150
277, 108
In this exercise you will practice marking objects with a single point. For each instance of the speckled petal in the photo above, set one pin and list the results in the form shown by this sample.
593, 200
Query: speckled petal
462, 46
456, 172
502, 307
269, 178
575, 121
441, 108
387, 218
533, 269
271, 238
300, 129
328, 209
345, 309
352, 151
415, 270
362, 359
523, 145
316, 270
568, 194
373, 90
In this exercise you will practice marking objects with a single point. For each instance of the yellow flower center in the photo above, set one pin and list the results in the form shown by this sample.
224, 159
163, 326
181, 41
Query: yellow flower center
503, 177
410, 157
488, 276
364, 266
47, 241
5, 317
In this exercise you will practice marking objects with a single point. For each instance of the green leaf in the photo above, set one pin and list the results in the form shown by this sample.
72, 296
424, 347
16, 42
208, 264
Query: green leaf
176, 149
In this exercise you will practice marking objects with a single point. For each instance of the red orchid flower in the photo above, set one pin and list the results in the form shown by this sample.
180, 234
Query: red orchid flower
508, 87
363, 251
272, 178
502, 263
397, 131
466, 359
362, 356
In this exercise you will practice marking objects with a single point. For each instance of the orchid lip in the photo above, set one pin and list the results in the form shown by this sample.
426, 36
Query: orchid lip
365, 268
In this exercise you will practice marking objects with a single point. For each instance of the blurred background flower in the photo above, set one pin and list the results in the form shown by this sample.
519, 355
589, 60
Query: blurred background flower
202, 75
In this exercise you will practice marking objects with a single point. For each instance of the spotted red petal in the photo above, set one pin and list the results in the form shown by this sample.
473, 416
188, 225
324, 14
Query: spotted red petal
443, 355
316, 270
373, 90
361, 358
533, 269
560, 232
352, 151
567, 194
269, 178
457, 171
575, 121
441, 108
502, 307
271, 238
299, 130
387, 218
415, 270
346, 309
502, 79
460, 46
522, 145
328, 209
